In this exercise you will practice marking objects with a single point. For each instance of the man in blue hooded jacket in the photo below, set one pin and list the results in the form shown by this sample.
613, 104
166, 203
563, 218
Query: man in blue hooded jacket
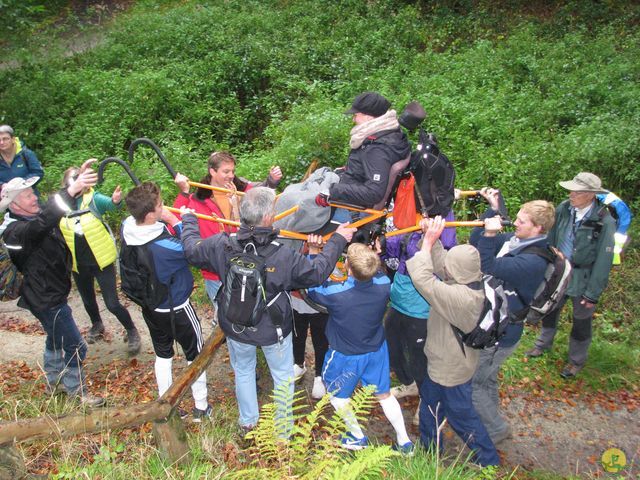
508, 257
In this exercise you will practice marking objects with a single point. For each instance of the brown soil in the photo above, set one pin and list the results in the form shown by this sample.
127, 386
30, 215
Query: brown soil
565, 438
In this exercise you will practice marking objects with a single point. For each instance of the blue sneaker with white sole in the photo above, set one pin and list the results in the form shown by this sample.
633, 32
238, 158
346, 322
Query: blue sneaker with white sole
406, 449
350, 442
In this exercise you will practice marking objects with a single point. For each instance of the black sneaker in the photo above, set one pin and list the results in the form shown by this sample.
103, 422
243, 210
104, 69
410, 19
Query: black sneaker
199, 415
182, 412
95, 333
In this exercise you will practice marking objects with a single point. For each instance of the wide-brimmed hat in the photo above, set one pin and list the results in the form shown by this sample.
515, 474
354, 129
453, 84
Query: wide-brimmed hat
369, 103
584, 182
12, 189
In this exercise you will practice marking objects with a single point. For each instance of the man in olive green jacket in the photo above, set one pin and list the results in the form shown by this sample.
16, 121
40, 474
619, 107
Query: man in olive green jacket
456, 301
584, 233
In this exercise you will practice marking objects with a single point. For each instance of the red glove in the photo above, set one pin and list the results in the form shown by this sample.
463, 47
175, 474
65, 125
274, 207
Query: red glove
322, 200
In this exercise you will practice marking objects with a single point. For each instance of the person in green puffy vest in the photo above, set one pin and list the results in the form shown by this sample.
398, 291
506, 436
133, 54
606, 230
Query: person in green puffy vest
94, 254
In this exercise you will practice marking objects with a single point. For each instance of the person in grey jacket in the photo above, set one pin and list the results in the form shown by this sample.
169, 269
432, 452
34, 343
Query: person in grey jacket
286, 270
452, 284
584, 233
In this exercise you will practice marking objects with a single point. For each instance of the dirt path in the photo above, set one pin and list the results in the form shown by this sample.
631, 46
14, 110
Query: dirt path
561, 437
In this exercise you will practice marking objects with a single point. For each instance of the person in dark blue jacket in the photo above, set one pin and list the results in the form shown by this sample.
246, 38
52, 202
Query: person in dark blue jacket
505, 256
17, 160
357, 346
147, 226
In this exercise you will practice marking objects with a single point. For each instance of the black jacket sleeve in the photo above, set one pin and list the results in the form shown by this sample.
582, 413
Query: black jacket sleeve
376, 161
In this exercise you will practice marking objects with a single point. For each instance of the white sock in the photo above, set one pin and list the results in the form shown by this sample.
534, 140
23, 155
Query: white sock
163, 374
393, 412
199, 391
342, 405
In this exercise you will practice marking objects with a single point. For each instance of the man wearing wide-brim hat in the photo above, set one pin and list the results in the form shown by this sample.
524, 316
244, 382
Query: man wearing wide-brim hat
32, 237
583, 232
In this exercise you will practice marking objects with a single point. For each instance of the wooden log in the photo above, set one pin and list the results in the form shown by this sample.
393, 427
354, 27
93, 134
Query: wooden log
11, 463
171, 438
111, 418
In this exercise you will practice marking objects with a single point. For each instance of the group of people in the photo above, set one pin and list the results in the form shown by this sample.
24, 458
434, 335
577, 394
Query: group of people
409, 324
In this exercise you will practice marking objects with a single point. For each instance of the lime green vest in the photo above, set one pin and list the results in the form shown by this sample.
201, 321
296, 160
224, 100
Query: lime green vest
97, 235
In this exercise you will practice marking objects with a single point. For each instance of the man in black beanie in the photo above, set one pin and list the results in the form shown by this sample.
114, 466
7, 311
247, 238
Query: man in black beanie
377, 142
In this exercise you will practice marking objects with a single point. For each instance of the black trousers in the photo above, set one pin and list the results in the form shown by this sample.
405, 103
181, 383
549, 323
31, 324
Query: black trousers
317, 322
406, 337
107, 280
186, 326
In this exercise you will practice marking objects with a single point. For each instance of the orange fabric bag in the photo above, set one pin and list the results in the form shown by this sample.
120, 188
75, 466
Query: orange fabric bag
404, 206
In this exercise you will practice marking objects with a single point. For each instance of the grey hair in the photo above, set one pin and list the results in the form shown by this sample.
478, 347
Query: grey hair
6, 129
256, 204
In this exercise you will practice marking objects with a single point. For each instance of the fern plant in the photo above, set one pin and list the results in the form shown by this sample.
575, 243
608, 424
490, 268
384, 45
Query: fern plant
311, 450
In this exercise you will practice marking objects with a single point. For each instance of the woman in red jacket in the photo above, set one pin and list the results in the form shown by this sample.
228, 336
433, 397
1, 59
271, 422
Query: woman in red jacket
221, 173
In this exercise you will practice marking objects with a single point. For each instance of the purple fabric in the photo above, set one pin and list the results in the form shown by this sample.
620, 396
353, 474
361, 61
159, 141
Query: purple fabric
448, 237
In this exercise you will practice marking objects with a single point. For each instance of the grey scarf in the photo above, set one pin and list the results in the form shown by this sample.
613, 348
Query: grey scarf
515, 243
359, 133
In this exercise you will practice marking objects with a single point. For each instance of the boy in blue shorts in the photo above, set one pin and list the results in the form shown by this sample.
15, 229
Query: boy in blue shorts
357, 346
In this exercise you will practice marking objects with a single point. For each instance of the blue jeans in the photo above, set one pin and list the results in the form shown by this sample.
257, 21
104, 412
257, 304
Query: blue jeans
212, 287
65, 349
454, 404
243, 361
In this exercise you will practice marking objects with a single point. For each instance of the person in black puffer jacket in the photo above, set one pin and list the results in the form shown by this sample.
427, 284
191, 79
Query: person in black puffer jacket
377, 142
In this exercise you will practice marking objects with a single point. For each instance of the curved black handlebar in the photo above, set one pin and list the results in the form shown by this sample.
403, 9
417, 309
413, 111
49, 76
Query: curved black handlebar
150, 143
120, 162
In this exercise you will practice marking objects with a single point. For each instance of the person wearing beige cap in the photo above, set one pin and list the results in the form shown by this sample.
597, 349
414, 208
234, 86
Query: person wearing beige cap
584, 233
36, 247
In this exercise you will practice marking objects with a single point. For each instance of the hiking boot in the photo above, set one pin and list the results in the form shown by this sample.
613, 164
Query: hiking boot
91, 401
570, 371
318, 391
502, 436
298, 371
95, 333
199, 415
402, 391
352, 443
406, 449
133, 339
245, 429
535, 352
55, 390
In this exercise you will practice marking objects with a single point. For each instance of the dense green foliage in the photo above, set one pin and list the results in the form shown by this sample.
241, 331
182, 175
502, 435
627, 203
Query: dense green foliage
518, 96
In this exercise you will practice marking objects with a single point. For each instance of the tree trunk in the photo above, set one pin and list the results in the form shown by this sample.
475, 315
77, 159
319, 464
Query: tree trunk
109, 418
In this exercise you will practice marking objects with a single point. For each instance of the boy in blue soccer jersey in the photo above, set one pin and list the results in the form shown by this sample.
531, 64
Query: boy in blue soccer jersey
357, 346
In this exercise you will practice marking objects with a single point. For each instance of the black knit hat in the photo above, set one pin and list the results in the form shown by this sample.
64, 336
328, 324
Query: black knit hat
369, 103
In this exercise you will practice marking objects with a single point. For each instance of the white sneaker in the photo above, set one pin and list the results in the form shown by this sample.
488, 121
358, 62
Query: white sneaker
318, 391
298, 371
405, 391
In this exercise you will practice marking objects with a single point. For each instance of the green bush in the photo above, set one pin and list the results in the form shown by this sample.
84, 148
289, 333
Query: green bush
517, 97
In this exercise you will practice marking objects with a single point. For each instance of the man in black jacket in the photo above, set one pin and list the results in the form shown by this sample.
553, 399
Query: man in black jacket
377, 142
285, 269
35, 244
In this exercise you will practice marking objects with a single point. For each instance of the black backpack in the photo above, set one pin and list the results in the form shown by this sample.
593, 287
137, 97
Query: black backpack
493, 319
10, 277
553, 288
243, 296
435, 177
138, 279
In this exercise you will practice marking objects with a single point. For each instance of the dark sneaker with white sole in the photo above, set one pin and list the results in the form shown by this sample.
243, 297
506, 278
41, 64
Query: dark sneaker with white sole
200, 415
